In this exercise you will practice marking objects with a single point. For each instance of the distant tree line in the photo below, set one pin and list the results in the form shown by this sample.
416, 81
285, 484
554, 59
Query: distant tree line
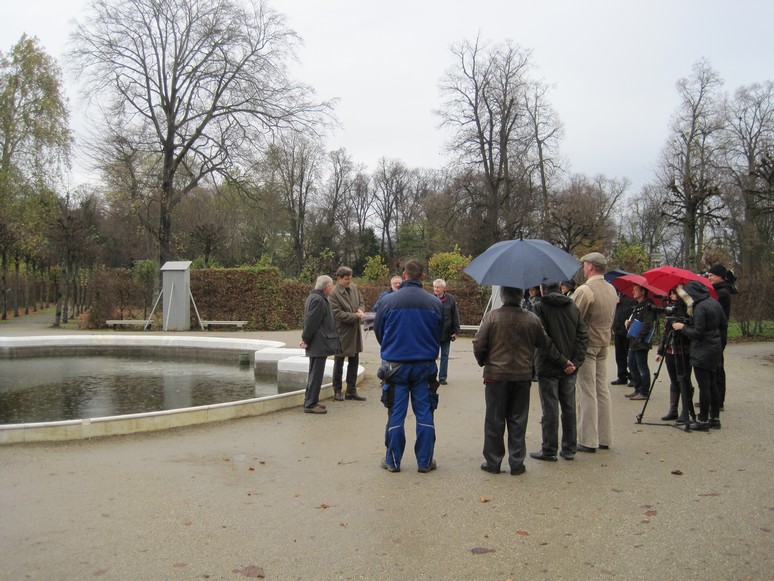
209, 151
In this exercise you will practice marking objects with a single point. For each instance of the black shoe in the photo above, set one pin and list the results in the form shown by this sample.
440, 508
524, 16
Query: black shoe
442, 382
700, 426
354, 396
671, 415
429, 468
619, 381
541, 456
582, 448
630, 383
487, 468
387, 467
337, 396
517, 471
567, 455
603, 447
715, 424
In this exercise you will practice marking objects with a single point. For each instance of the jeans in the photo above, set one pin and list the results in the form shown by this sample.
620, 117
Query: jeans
443, 368
556, 393
638, 367
410, 383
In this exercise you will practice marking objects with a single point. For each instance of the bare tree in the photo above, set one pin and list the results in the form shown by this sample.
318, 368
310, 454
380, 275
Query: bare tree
391, 181
581, 213
485, 106
193, 83
689, 168
749, 143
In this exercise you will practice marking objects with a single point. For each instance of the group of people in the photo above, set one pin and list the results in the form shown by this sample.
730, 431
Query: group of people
694, 339
561, 338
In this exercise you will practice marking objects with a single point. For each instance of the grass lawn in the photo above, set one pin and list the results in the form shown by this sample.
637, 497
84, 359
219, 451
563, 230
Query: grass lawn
735, 334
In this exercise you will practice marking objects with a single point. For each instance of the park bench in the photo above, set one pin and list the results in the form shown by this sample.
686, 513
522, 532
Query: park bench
238, 324
128, 322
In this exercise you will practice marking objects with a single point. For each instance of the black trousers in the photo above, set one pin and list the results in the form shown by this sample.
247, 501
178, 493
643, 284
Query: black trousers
338, 371
709, 399
621, 343
314, 381
507, 404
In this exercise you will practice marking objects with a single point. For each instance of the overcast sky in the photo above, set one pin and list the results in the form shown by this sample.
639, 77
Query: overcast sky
612, 65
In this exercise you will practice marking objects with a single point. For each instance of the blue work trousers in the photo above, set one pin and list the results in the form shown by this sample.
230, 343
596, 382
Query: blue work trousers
410, 382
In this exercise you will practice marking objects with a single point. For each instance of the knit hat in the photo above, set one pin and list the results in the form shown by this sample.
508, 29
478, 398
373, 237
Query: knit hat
718, 270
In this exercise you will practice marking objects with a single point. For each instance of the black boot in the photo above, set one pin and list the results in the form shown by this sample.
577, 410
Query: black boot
674, 398
701, 425
337, 396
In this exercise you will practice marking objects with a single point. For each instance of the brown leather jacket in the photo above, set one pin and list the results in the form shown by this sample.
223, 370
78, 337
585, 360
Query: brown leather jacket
506, 341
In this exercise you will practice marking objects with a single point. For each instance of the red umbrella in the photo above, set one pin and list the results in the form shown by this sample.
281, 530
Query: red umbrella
668, 277
625, 282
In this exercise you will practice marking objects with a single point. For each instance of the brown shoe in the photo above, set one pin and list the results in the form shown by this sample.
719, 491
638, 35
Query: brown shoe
631, 395
318, 409
354, 396
337, 396
638, 397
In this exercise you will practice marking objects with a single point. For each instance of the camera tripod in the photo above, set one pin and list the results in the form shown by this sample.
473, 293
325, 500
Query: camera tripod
675, 342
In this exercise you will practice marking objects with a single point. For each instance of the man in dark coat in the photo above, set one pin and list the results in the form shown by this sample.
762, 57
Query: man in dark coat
320, 339
640, 344
565, 327
451, 326
348, 310
704, 329
718, 275
505, 347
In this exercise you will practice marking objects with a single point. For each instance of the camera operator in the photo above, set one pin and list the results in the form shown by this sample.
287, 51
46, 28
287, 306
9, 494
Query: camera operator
674, 350
704, 330
722, 281
639, 345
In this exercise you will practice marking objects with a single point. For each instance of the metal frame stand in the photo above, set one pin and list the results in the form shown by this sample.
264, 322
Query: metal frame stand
685, 397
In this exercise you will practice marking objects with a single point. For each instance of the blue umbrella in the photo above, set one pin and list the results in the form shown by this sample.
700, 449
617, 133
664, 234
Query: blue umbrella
522, 264
611, 275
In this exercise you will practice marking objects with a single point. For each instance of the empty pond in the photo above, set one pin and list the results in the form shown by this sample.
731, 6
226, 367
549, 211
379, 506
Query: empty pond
46, 389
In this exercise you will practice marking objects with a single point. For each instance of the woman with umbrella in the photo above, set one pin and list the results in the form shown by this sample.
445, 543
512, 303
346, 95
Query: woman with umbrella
640, 337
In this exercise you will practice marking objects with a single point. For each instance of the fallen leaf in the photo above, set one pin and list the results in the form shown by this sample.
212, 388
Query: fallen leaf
251, 468
251, 571
766, 529
296, 495
343, 524
616, 490
323, 505
263, 462
677, 472
522, 533
484, 499
188, 523
709, 494
651, 513
180, 565
481, 550
99, 572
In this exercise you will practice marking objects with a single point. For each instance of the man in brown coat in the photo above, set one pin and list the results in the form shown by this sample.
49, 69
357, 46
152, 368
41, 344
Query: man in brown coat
348, 309
596, 300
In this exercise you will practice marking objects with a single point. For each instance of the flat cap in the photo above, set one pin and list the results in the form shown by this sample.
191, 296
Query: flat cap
596, 259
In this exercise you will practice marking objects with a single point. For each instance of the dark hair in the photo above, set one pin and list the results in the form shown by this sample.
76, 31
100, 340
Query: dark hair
413, 269
551, 287
343, 271
511, 295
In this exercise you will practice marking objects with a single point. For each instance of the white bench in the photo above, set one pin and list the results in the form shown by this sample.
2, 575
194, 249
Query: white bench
129, 322
238, 324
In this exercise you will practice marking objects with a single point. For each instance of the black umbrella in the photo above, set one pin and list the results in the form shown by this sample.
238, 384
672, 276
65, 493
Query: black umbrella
522, 264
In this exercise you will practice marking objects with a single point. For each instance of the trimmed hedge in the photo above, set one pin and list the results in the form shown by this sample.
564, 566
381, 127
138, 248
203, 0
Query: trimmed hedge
264, 298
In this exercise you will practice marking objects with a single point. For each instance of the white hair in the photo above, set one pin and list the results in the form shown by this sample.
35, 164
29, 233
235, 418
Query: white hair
322, 281
440, 282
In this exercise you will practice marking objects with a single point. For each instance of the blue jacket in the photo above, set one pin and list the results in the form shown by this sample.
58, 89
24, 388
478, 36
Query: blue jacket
408, 324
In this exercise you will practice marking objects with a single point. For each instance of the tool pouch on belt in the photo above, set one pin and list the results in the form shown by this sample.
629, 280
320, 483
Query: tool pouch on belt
385, 373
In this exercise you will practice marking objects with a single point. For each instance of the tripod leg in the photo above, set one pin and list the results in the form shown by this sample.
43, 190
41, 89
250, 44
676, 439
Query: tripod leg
650, 390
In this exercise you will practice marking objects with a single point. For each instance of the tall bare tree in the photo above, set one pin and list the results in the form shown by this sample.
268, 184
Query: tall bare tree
689, 167
193, 83
485, 107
